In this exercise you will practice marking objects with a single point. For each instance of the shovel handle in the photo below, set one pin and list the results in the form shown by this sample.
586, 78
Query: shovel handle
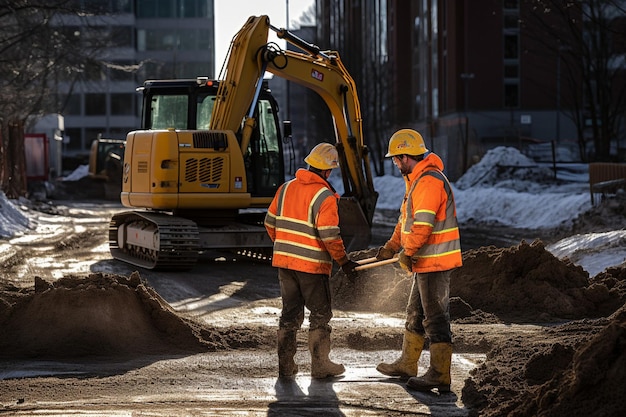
366, 260
371, 264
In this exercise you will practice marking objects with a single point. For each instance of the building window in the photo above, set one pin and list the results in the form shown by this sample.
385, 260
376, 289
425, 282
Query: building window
95, 104
195, 40
511, 95
157, 40
194, 8
511, 52
511, 4
146, 8
173, 8
188, 40
122, 6
511, 71
511, 21
511, 48
204, 38
122, 36
168, 40
122, 104
92, 71
72, 105
156, 8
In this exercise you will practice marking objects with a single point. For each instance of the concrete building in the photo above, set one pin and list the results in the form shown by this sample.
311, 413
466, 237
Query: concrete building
152, 39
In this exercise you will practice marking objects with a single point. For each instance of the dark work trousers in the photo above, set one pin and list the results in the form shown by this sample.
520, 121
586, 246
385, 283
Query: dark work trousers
299, 290
428, 309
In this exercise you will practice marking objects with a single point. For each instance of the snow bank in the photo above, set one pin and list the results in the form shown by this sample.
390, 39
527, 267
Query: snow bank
78, 173
12, 220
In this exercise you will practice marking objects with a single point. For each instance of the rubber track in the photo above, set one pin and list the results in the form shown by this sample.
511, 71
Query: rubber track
178, 241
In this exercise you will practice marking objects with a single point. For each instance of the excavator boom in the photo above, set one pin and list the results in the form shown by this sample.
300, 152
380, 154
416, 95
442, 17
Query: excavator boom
251, 56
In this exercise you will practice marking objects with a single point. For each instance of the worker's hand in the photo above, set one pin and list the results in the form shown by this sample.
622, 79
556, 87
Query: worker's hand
349, 268
384, 253
405, 261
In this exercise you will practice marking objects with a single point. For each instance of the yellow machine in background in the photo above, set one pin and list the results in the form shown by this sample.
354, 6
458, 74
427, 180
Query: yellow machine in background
105, 165
105, 159
209, 157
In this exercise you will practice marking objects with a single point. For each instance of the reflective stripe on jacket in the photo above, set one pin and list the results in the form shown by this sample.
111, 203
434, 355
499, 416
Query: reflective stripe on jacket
428, 229
303, 223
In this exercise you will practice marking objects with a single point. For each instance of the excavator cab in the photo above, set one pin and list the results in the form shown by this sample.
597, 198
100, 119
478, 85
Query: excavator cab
187, 104
202, 187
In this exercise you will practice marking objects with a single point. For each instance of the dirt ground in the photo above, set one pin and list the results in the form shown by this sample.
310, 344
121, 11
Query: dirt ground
82, 334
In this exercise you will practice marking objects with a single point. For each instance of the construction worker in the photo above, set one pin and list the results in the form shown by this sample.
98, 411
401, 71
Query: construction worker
428, 242
303, 223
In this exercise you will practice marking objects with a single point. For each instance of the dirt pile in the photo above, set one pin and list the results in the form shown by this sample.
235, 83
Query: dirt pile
526, 282
97, 315
578, 369
520, 283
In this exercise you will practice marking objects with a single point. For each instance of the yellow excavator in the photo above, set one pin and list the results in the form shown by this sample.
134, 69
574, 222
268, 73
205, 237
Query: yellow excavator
209, 157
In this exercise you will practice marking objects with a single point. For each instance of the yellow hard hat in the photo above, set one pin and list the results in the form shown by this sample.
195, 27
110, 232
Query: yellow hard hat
406, 142
323, 156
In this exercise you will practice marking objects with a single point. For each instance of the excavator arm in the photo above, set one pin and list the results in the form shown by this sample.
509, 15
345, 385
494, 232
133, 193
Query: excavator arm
250, 57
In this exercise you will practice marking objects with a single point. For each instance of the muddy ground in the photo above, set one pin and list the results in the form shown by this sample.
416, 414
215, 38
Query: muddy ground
83, 334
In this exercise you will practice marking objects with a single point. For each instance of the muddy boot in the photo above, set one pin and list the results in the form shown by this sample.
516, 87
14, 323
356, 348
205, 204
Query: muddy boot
438, 375
286, 346
406, 365
321, 365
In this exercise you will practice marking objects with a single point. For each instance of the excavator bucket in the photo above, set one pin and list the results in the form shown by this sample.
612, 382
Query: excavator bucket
355, 228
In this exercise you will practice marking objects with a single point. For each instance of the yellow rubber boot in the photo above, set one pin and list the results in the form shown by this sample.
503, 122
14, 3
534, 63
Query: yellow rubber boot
286, 347
406, 365
321, 365
438, 375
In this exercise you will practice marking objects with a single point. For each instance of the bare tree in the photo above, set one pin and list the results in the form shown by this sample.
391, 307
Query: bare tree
586, 38
307, 18
39, 46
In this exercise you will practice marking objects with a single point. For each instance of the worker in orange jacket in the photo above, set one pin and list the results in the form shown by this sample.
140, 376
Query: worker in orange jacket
428, 241
303, 223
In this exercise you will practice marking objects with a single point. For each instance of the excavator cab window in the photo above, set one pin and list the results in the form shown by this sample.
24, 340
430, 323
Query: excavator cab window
168, 111
204, 108
178, 104
264, 160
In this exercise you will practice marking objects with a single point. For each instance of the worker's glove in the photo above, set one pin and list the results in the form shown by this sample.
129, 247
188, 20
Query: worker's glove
349, 268
405, 261
384, 253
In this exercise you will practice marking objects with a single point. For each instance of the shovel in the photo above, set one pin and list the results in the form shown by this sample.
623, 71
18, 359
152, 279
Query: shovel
372, 262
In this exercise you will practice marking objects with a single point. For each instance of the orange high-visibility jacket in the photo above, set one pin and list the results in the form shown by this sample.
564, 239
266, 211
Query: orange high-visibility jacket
303, 223
427, 228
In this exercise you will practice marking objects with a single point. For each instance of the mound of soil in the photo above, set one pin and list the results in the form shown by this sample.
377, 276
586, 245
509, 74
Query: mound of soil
593, 380
526, 282
578, 369
97, 315
520, 283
